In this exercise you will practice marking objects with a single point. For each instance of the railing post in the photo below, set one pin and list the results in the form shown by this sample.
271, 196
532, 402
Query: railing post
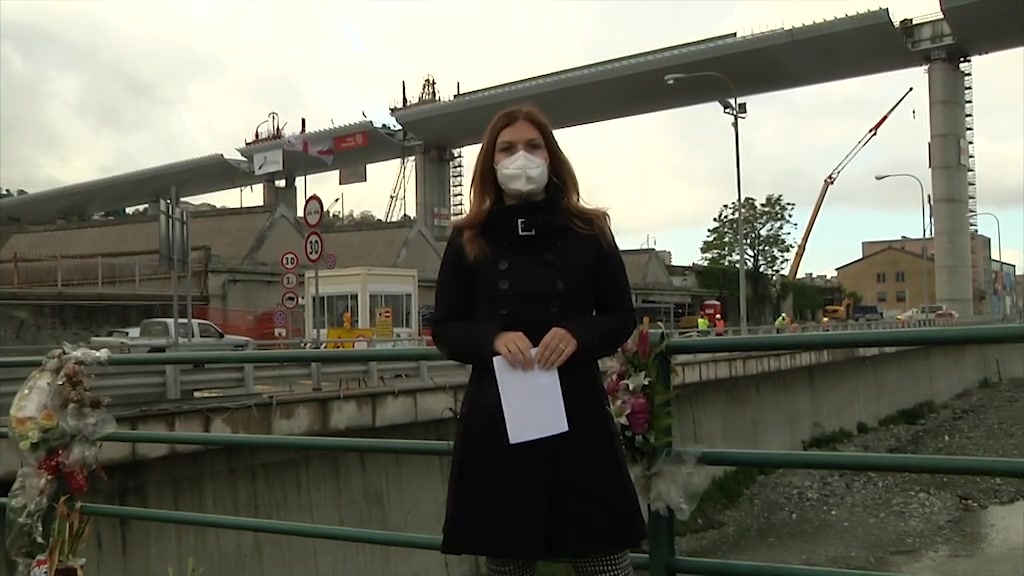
136, 273
172, 382
99, 271
249, 375
371, 374
661, 537
314, 376
60, 276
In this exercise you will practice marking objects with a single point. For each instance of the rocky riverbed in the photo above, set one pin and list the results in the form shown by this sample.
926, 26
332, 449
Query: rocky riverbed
866, 520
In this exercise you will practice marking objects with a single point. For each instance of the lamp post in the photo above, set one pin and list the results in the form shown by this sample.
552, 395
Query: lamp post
999, 244
737, 110
924, 232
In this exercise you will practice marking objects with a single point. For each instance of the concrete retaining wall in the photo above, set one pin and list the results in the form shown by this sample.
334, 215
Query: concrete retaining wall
779, 410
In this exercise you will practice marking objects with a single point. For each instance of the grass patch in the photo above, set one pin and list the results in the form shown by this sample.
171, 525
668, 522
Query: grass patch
828, 440
720, 495
913, 415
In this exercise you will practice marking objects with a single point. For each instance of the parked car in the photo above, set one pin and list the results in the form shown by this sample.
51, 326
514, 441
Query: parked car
862, 313
154, 335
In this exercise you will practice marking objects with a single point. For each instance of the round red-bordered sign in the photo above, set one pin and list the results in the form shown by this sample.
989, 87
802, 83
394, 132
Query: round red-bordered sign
331, 261
289, 299
289, 280
313, 211
314, 246
289, 260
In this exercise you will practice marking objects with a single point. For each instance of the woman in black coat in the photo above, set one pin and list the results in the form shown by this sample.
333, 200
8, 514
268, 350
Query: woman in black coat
531, 267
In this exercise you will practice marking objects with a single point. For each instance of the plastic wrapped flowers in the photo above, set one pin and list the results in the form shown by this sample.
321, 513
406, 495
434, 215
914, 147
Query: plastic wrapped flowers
56, 422
664, 480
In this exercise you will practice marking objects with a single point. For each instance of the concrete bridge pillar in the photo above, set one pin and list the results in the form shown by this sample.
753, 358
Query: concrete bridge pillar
948, 159
274, 195
433, 190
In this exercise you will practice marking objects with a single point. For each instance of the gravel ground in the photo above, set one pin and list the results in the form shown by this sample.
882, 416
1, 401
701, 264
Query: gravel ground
860, 520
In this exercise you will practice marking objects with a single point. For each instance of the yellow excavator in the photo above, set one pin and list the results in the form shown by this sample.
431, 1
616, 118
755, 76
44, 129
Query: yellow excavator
829, 181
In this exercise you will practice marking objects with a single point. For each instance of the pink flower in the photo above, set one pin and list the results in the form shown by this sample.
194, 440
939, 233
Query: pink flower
639, 415
629, 347
643, 344
613, 384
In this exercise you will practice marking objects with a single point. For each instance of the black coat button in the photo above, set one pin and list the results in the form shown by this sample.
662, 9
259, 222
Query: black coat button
550, 258
503, 265
553, 307
503, 284
559, 284
503, 310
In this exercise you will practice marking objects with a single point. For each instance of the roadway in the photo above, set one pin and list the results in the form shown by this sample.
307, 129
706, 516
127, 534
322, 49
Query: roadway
841, 48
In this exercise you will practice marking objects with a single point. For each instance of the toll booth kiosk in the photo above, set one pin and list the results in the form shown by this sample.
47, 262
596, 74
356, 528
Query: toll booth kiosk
379, 305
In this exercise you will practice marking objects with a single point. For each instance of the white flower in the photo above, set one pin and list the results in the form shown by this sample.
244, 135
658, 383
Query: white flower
33, 436
637, 381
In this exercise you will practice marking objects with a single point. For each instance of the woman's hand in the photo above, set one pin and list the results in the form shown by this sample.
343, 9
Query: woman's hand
556, 347
515, 347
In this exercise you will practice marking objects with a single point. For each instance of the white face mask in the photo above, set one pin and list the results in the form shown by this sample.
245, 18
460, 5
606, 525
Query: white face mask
523, 175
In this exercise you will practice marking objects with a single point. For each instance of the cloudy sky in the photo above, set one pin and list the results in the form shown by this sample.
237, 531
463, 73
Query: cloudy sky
89, 89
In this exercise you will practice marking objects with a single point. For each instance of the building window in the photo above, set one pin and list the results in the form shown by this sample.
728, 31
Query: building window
880, 278
336, 305
900, 278
901, 295
400, 305
882, 297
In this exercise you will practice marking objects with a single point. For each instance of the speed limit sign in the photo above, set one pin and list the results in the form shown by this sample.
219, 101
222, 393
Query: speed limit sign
314, 247
289, 260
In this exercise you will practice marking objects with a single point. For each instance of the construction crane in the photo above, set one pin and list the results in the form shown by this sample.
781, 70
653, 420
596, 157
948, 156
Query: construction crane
829, 181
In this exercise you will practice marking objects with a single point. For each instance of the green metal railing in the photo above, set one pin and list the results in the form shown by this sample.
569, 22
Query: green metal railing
662, 559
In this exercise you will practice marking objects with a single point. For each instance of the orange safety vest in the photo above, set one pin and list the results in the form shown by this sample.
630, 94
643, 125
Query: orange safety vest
719, 326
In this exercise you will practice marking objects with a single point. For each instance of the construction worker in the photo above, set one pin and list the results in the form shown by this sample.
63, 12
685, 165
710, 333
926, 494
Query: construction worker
825, 324
719, 325
780, 323
703, 325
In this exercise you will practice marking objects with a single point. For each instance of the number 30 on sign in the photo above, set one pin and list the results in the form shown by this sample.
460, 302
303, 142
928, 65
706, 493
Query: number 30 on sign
314, 247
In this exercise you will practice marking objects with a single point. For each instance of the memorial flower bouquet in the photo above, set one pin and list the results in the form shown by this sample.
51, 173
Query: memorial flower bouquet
56, 422
664, 480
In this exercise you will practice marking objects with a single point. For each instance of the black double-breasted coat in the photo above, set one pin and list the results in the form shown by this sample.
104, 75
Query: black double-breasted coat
566, 496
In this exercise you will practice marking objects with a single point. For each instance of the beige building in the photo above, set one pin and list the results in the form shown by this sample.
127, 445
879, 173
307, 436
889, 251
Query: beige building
982, 271
891, 278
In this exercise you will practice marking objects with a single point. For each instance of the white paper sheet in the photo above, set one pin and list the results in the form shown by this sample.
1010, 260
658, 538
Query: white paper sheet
531, 400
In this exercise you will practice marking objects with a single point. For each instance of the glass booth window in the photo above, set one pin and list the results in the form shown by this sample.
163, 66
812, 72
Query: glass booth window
400, 305
336, 305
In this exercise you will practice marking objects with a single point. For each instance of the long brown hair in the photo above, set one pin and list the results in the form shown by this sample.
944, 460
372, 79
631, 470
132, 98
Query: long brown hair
484, 187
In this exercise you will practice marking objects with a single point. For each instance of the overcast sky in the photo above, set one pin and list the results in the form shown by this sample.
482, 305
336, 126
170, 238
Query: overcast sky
90, 89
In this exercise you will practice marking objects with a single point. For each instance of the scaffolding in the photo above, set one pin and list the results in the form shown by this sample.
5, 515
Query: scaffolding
457, 170
972, 177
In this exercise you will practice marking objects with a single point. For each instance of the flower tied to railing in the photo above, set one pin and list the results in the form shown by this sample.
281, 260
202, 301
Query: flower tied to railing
638, 384
56, 422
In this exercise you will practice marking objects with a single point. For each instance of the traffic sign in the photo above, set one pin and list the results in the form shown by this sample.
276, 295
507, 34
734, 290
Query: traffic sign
314, 246
289, 280
280, 318
331, 261
289, 260
313, 211
289, 299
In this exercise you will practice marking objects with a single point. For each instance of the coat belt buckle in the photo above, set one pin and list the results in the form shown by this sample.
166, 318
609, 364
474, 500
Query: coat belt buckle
524, 228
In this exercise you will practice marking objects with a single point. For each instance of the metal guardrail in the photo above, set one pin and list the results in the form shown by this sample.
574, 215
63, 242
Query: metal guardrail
136, 377
662, 559
155, 384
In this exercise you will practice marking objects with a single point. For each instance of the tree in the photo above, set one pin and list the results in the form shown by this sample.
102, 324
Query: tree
767, 229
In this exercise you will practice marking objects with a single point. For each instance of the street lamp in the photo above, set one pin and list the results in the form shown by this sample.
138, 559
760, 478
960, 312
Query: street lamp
999, 243
924, 232
737, 110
